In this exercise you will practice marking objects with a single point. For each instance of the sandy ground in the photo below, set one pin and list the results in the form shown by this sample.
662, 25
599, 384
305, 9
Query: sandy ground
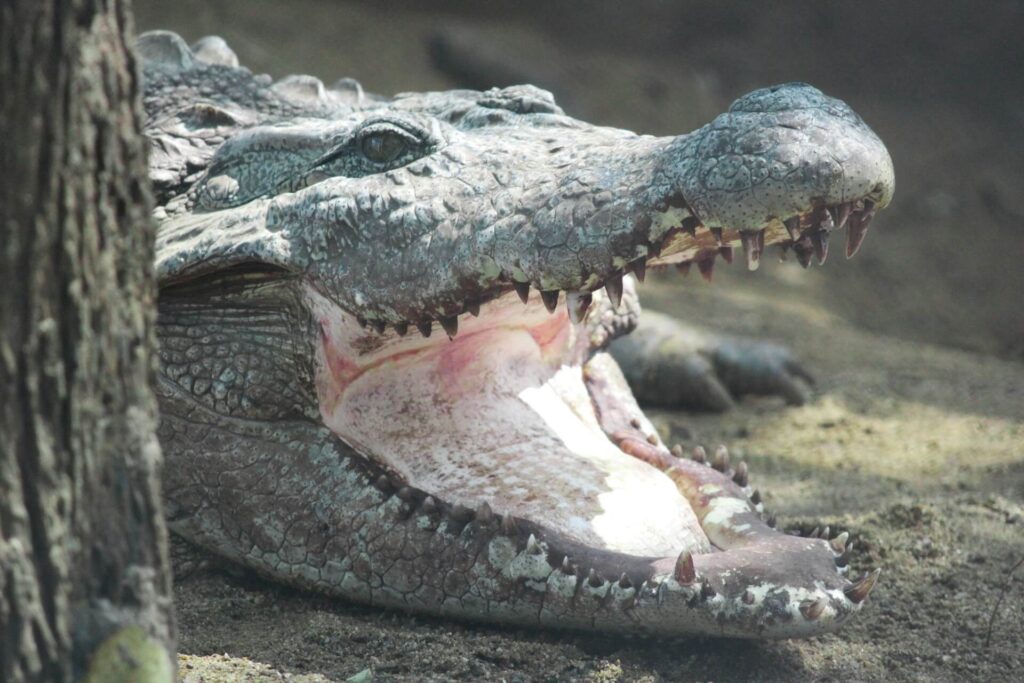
914, 440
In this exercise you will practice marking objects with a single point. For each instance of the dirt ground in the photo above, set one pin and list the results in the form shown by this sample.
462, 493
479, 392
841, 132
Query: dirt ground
914, 441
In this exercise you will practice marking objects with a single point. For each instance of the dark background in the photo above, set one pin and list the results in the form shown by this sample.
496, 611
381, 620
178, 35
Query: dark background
942, 83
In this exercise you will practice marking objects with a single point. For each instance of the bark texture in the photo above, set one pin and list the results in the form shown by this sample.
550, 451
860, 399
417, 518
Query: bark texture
84, 579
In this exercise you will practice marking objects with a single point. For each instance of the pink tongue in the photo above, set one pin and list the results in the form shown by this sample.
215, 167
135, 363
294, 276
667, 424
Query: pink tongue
491, 417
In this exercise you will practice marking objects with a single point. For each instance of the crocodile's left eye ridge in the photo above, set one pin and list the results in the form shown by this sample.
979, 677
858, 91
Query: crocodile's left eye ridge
384, 146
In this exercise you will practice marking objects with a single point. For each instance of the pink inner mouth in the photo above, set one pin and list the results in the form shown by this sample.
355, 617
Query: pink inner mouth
501, 414
512, 415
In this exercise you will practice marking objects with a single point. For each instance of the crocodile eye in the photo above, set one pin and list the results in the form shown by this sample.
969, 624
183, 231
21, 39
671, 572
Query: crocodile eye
384, 146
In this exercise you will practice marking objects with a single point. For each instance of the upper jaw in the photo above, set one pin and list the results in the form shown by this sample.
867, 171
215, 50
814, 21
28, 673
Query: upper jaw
437, 239
758, 175
672, 234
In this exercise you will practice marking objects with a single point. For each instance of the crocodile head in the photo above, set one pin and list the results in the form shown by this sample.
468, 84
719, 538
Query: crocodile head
369, 387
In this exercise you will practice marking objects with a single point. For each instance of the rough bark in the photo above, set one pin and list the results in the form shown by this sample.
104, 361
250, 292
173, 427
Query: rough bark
84, 579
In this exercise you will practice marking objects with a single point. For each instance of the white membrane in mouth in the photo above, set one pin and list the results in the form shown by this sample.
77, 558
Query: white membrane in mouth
494, 416
632, 502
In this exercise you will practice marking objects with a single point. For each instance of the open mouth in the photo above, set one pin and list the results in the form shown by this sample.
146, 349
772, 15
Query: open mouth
509, 423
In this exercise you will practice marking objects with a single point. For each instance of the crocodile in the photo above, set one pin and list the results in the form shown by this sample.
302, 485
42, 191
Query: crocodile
369, 387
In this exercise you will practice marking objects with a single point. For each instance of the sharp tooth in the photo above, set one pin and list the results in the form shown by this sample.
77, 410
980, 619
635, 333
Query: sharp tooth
450, 325
858, 228
425, 327
803, 251
401, 328
567, 567
755, 497
624, 582
842, 212
550, 299
839, 542
819, 239
826, 532
706, 265
532, 546
594, 579
484, 514
740, 475
859, 591
613, 286
699, 454
812, 609
726, 253
677, 450
523, 290
639, 268
793, 227
750, 248
429, 505
683, 268
654, 250
721, 459
473, 308
577, 303
378, 325
685, 572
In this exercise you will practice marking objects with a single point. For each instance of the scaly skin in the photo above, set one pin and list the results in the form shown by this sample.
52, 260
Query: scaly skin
507, 475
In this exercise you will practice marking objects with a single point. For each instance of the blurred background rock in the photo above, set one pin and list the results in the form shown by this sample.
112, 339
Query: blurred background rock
942, 84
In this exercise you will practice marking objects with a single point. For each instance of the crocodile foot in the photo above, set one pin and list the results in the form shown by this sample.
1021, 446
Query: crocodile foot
668, 364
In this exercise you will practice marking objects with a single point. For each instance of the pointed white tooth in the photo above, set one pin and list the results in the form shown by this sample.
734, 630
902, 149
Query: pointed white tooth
685, 572
523, 290
450, 324
532, 546
550, 299
614, 288
839, 542
793, 227
639, 268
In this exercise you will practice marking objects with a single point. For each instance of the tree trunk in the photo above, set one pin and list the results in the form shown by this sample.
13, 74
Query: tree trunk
84, 578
